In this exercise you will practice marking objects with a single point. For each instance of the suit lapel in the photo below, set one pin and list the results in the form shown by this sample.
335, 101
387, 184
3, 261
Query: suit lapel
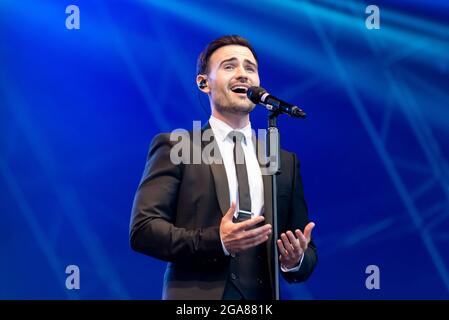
218, 170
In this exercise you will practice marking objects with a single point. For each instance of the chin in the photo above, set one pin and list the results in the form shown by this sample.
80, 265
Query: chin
244, 109
236, 107
244, 105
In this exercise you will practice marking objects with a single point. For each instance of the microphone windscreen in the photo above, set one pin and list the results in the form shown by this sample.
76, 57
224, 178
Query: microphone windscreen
255, 94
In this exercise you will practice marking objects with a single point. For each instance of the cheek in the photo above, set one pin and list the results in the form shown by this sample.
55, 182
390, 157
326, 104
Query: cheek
223, 79
255, 80
218, 89
221, 86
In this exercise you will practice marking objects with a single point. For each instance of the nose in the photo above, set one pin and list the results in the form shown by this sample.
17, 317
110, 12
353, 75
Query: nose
241, 74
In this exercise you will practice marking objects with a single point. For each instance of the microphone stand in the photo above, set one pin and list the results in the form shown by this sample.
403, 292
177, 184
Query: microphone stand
273, 137
274, 169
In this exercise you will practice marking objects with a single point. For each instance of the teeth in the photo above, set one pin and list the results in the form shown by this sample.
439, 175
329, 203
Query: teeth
240, 88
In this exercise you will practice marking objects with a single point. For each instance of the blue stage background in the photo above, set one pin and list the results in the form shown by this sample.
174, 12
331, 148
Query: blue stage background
78, 109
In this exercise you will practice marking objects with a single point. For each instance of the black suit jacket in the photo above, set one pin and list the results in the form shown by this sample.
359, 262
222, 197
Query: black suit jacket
177, 213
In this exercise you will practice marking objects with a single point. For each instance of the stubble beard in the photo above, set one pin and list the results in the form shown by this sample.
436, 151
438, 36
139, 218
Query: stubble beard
234, 108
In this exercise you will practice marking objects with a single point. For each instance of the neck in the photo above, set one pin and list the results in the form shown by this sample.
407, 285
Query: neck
234, 120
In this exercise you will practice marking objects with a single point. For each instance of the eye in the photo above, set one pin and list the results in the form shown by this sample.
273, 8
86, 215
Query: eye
251, 69
228, 67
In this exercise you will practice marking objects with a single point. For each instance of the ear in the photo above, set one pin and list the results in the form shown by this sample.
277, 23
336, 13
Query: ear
201, 81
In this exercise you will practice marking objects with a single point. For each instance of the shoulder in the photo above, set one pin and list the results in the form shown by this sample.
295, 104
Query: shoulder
170, 138
288, 157
178, 146
183, 135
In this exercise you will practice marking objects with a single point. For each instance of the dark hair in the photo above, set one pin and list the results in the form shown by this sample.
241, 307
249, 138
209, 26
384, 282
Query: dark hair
203, 58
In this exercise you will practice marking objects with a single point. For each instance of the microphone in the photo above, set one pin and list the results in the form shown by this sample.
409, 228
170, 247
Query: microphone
259, 95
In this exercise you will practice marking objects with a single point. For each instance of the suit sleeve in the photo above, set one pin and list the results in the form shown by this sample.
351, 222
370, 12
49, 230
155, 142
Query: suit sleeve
298, 219
153, 230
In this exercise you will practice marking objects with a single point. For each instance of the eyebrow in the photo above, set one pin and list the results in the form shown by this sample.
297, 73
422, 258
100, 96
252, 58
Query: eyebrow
234, 59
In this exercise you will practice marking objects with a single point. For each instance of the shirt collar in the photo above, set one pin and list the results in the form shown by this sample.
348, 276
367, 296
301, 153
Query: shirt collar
222, 129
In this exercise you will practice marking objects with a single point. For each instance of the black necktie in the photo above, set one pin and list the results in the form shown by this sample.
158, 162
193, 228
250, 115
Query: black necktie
240, 169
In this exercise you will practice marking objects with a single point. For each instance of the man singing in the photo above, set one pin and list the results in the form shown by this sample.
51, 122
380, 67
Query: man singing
190, 214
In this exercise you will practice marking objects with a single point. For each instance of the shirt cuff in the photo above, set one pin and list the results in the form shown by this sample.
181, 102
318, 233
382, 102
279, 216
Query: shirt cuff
224, 249
294, 269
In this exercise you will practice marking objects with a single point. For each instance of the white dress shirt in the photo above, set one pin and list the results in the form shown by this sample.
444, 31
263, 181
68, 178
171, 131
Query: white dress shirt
225, 144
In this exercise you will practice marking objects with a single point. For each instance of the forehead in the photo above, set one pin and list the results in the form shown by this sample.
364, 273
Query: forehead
231, 51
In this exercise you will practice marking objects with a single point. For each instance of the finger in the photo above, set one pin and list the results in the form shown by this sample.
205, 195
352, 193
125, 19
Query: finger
230, 212
262, 230
302, 240
286, 244
282, 249
308, 231
293, 241
253, 242
249, 223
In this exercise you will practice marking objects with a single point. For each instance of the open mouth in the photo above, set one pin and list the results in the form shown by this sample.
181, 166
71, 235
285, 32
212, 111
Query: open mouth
239, 89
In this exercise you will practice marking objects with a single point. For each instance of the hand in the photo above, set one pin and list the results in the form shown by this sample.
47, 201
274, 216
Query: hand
291, 248
237, 237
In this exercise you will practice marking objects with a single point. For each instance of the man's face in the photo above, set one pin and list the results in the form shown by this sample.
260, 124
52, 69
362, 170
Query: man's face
232, 70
